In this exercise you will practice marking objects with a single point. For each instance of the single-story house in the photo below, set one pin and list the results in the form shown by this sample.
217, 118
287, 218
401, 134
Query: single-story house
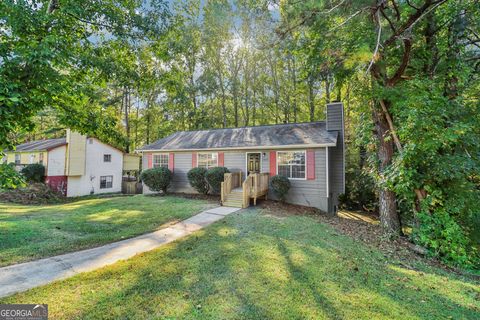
310, 154
76, 165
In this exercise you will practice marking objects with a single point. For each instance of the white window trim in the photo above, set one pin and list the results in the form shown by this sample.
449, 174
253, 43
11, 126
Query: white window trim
306, 166
160, 154
100, 180
246, 161
198, 158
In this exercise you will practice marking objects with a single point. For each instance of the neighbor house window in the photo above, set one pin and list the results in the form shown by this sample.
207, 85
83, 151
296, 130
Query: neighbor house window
207, 160
17, 158
106, 182
291, 164
32, 158
160, 160
40, 158
107, 158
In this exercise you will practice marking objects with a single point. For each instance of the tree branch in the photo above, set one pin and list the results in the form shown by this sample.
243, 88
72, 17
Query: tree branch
427, 7
377, 46
388, 19
405, 60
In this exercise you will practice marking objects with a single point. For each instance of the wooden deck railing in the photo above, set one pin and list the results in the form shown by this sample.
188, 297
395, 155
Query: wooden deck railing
231, 181
256, 185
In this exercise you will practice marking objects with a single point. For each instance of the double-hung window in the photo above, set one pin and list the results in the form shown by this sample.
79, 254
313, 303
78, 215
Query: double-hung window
207, 160
160, 160
17, 158
106, 182
291, 164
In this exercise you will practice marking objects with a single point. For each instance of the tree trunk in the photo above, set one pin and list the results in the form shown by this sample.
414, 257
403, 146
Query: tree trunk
311, 99
389, 218
127, 122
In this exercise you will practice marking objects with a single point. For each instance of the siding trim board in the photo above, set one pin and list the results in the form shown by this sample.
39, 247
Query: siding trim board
327, 180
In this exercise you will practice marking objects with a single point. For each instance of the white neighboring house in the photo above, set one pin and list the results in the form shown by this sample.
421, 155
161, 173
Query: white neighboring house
103, 170
77, 165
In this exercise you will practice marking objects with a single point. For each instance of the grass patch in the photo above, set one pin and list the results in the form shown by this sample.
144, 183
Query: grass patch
256, 266
33, 232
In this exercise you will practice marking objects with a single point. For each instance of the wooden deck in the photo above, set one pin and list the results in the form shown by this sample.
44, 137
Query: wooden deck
236, 193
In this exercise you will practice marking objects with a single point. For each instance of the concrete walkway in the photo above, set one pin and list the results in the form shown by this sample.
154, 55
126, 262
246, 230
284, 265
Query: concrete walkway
24, 276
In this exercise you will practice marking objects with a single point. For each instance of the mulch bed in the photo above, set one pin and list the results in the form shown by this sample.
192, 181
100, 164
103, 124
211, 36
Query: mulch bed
364, 227
37, 193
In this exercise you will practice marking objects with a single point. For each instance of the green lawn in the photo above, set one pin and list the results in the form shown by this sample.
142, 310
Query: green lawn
32, 232
256, 266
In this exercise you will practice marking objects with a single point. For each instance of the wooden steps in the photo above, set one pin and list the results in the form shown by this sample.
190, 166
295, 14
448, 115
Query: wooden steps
234, 199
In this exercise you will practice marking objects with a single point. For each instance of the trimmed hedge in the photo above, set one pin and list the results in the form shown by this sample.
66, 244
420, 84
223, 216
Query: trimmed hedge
198, 181
34, 172
280, 186
157, 179
214, 178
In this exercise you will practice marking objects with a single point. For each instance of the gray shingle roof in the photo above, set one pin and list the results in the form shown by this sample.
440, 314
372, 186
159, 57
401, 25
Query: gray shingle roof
41, 145
282, 135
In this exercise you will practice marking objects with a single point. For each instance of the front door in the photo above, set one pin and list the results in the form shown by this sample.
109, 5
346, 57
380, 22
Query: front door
253, 162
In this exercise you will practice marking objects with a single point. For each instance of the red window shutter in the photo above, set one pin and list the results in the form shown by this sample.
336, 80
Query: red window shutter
194, 159
273, 163
171, 161
221, 159
310, 164
149, 160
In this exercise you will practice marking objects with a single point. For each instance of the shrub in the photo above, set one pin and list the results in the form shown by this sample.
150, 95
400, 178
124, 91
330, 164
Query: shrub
198, 181
34, 172
157, 179
280, 186
214, 178
10, 178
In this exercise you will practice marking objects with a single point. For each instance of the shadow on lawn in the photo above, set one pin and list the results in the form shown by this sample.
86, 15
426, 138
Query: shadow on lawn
248, 267
32, 232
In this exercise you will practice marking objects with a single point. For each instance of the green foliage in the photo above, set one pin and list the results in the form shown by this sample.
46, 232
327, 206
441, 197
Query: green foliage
215, 178
280, 186
10, 178
48, 58
445, 238
197, 179
34, 172
359, 191
157, 179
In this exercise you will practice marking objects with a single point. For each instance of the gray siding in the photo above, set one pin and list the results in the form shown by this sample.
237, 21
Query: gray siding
235, 161
335, 116
182, 164
335, 121
311, 193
